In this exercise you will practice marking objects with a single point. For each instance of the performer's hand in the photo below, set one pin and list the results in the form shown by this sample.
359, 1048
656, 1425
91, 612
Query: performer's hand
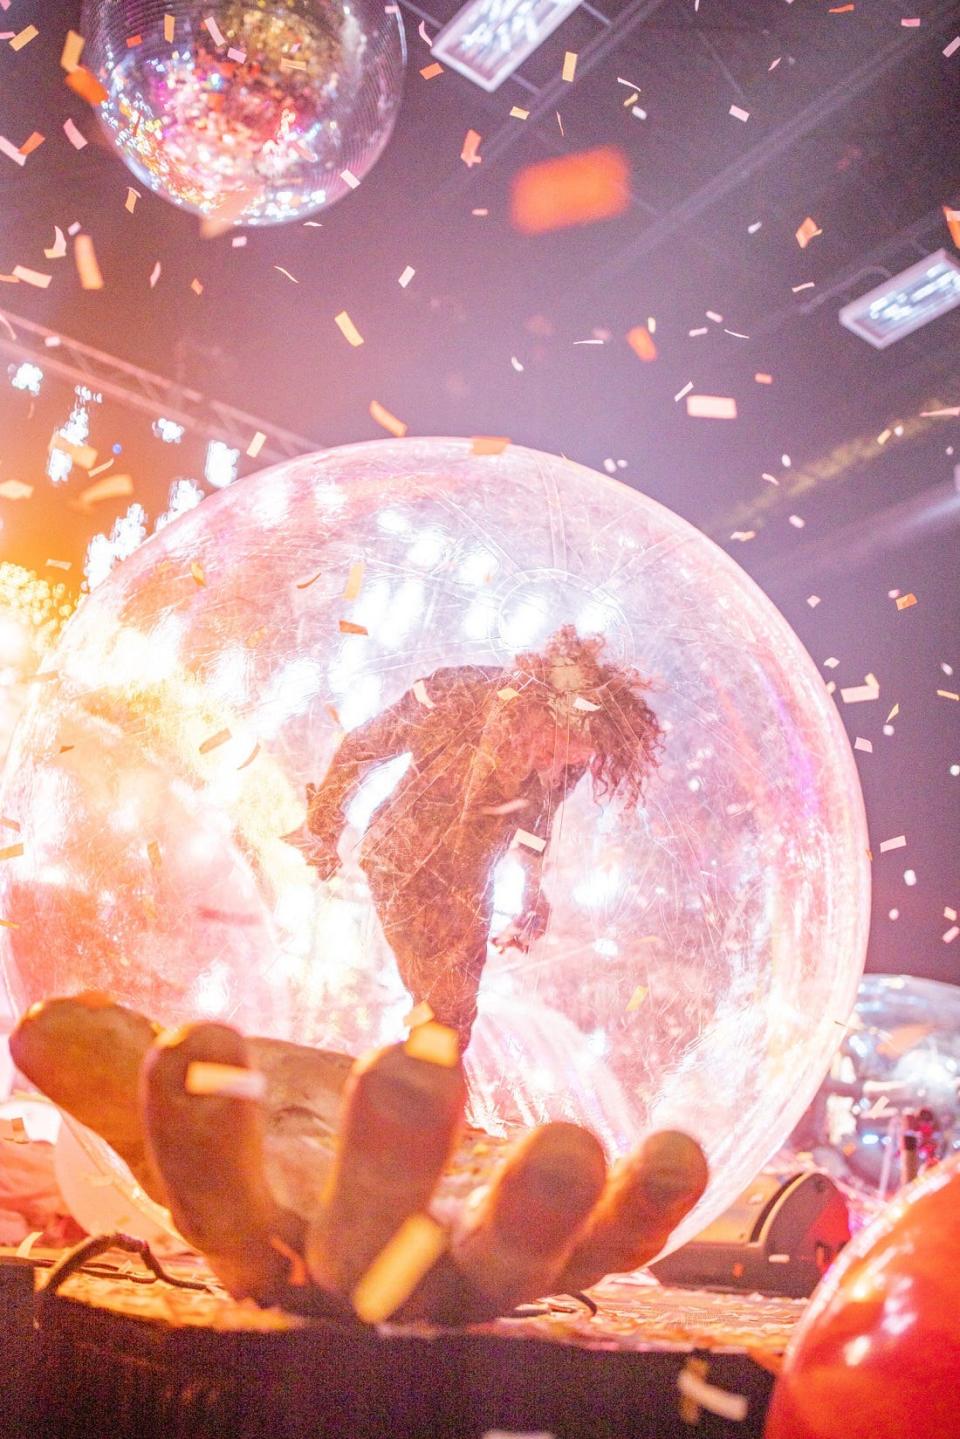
552, 1220
529, 926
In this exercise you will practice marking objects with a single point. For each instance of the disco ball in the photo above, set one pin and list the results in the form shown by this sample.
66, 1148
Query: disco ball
352, 620
897, 1070
253, 112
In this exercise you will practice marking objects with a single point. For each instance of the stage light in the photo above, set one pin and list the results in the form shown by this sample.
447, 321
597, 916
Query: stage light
184, 495
905, 302
169, 431
488, 39
220, 468
26, 377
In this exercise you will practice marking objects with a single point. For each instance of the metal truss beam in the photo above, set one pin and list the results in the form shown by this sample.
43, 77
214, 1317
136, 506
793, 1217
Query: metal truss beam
80, 364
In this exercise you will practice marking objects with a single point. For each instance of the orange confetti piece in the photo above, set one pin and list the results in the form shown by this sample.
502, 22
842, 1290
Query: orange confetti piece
569, 67
114, 487
12, 851
906, 601
347, 627
88, 269
636, 998
762, 379
72, 50
133, 196
169, 28
305, 584
250, 757
469, 154
354, 580
952, 218
133, 41
434, 1043
154, 855
806, 232
215, 741
398, 1268
196, 286
488, 444
256, 444
641, 343
85, 84
33, 143
518, 114
83, 455
387, 420
348, 329
841, 9
24, 37
196, 570
574, 189
430, 72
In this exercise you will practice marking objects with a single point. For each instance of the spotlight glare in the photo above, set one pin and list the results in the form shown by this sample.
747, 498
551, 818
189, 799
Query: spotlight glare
168, 430
26, 377
220, 468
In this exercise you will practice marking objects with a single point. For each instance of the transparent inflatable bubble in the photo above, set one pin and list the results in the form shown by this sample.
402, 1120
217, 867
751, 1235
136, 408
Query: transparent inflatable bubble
449, 647
249, 111
898, 1069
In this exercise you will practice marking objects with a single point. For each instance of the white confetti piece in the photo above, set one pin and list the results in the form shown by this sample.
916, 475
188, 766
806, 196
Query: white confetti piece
32, 277
214, 31
712, 407
858, 694
711, 1398
12, 151
739, 114
406, 277
420, 694
685, 391
953, 47
898, 842
349, 178
530, 841
155, 274
59, 247
813, 601
863, 744
256, 444
77, 140
951, 934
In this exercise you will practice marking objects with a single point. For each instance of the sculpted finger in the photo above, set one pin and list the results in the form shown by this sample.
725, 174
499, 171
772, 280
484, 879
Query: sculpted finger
300, 1107
403, 1110
84, 1052
530, 1220
205, 1133
644, 1200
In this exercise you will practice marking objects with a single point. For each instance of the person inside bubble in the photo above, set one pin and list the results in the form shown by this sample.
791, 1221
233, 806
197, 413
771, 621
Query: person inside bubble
493, 753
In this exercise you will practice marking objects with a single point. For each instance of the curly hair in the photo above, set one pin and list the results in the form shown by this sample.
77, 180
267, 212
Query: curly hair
569, 685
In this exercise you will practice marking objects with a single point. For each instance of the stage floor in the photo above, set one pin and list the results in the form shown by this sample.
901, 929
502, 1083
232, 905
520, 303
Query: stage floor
117, 1353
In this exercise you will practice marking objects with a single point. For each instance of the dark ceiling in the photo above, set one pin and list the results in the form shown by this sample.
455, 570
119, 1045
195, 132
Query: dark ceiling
857, 125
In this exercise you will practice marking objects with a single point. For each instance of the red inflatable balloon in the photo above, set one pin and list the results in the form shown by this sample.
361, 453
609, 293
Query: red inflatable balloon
877, 1354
